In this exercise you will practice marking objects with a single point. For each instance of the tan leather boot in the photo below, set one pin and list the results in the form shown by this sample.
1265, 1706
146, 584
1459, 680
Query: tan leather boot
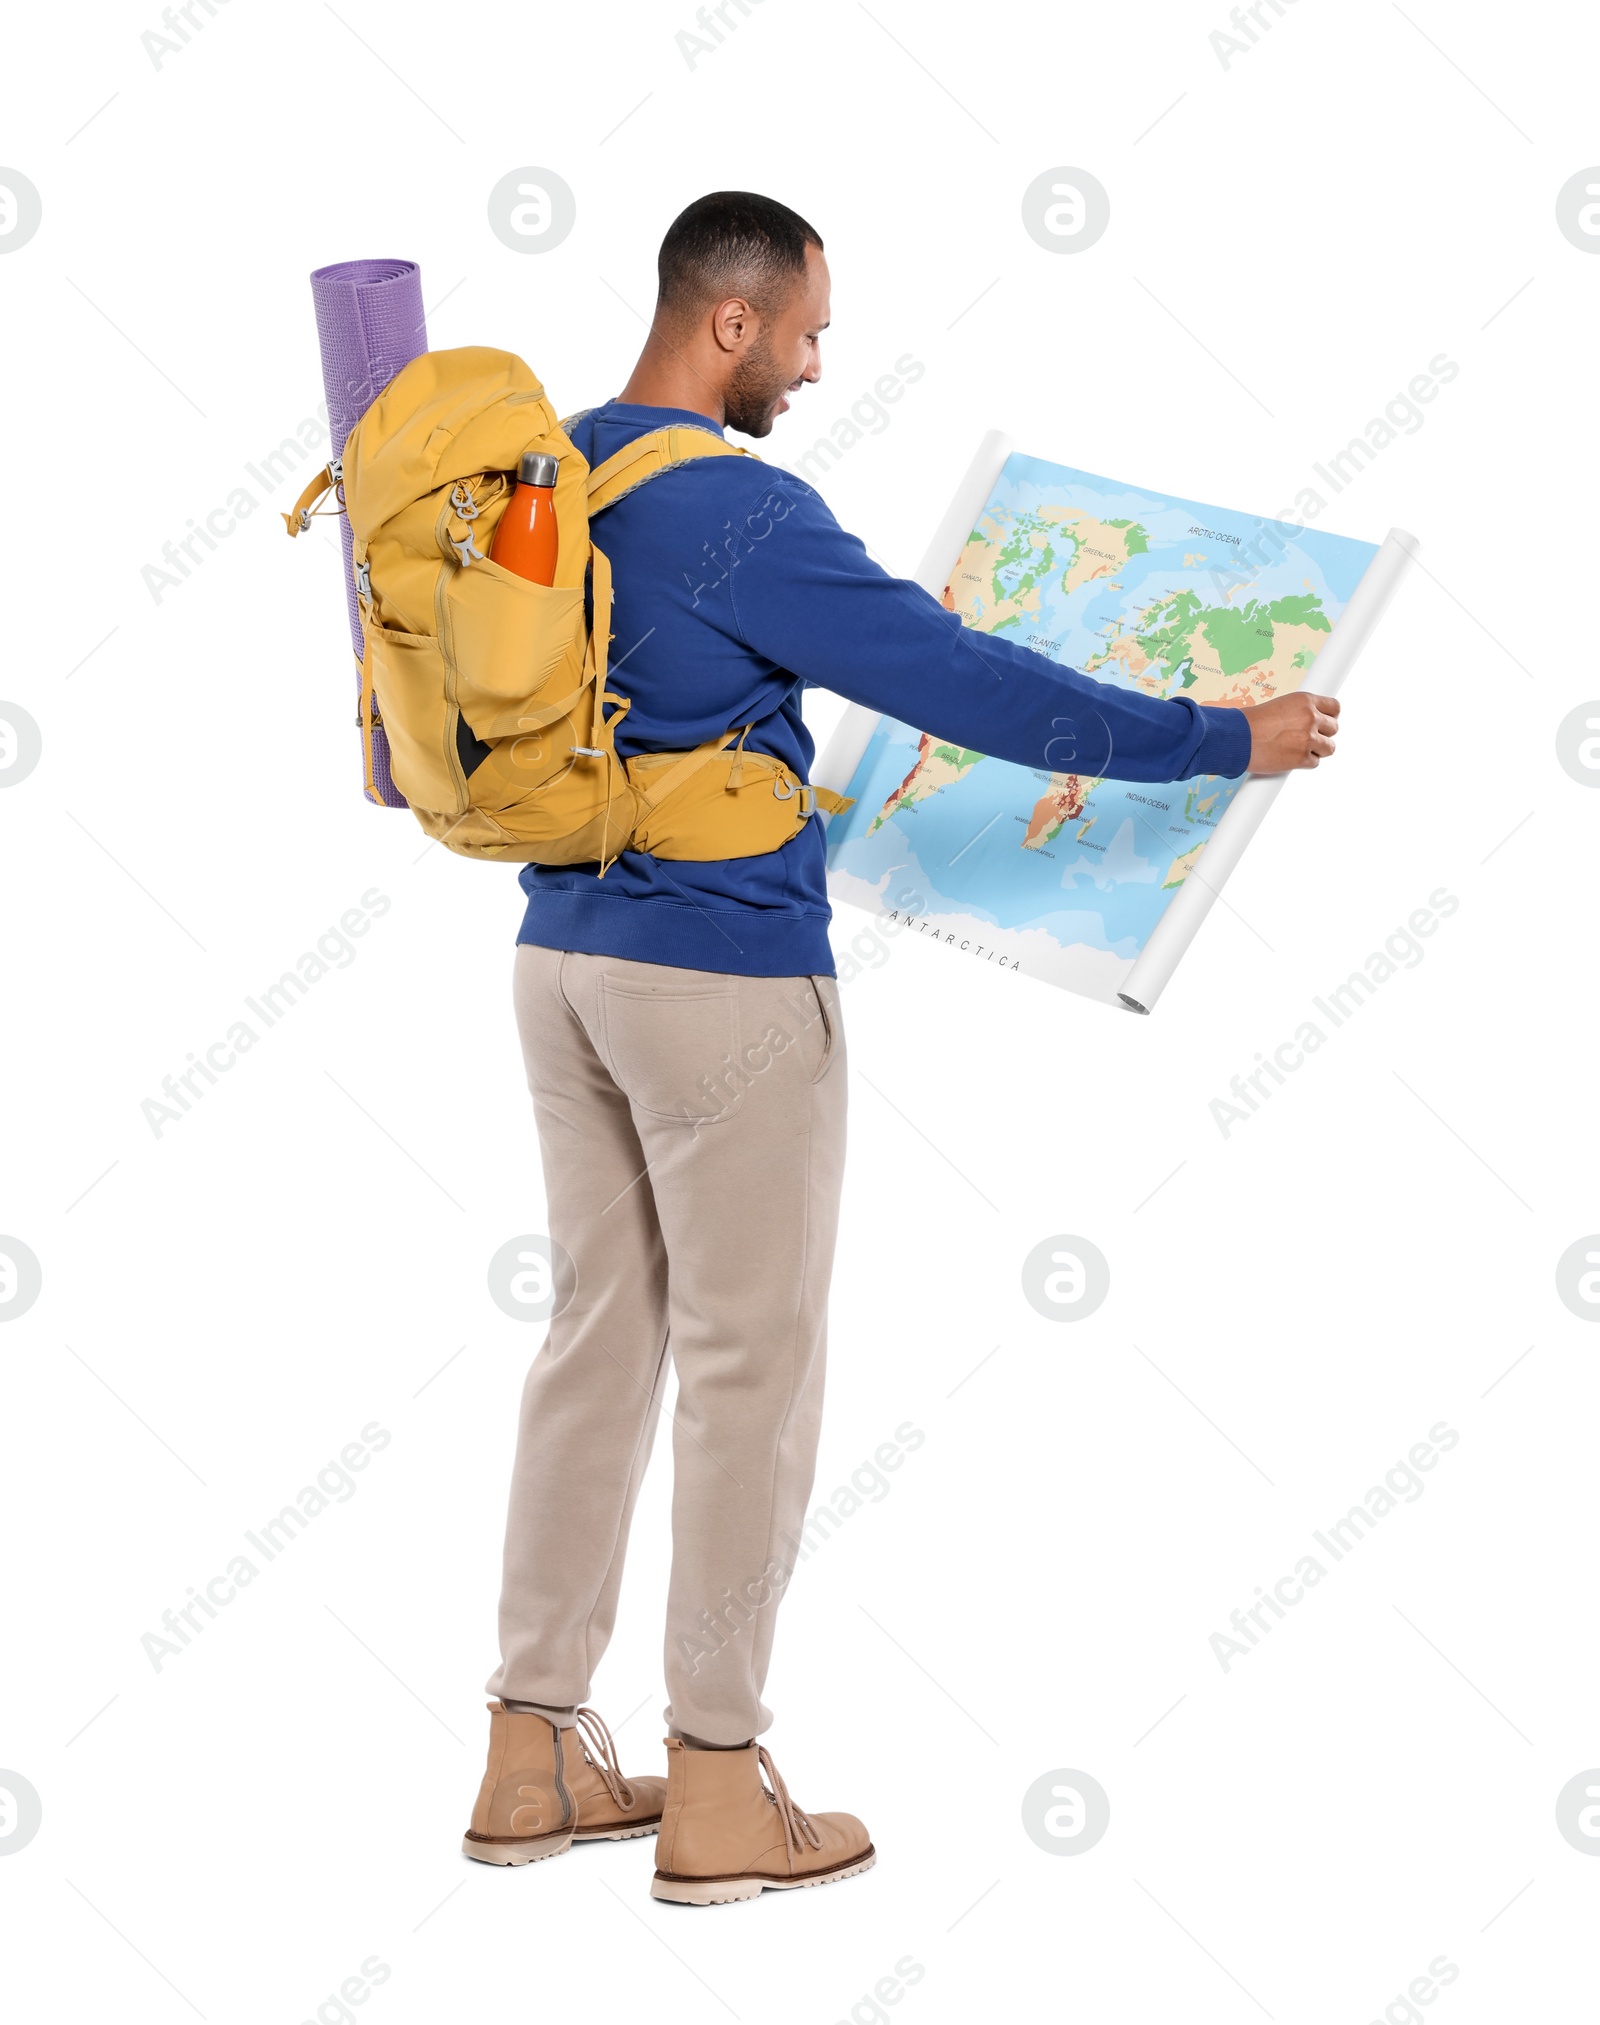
546, 1788
725, 1836
524, 1809
610, 1807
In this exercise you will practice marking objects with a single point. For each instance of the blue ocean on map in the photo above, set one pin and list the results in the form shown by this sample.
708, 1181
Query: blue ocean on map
1102, 878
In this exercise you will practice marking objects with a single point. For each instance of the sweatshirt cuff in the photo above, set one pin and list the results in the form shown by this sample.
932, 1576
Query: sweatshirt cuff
1224, 741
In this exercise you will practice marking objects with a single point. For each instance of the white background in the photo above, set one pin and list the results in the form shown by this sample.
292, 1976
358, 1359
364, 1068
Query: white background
1293, 237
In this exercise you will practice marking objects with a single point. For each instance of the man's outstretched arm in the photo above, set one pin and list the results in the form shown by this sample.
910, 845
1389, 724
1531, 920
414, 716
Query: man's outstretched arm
806, 595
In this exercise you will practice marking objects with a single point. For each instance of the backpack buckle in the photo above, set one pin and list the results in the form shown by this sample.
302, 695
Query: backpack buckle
808, 800
363, 575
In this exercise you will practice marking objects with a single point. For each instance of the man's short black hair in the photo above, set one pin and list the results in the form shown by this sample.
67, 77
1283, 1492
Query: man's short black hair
731, 243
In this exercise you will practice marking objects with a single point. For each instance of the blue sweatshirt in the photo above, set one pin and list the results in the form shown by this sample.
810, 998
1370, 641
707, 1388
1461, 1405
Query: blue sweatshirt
734, 588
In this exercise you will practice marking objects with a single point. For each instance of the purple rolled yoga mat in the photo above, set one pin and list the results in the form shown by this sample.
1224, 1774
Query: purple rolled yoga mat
370, 323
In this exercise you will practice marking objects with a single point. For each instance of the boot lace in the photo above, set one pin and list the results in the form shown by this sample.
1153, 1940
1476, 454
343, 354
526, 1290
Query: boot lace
795, 1824
599, 1747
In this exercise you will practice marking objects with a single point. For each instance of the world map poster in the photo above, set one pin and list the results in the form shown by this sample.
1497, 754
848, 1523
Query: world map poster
1064, 875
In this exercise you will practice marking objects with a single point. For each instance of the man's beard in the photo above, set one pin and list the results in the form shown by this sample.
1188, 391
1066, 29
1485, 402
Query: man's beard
754, 391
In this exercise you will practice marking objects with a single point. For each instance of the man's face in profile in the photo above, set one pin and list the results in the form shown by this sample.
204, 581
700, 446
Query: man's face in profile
784, 354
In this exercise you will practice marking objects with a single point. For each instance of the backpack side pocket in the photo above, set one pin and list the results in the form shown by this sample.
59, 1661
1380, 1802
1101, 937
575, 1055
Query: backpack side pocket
408, 680
512, 642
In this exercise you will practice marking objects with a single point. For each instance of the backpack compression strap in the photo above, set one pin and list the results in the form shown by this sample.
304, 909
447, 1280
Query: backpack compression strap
648, 455
327, 480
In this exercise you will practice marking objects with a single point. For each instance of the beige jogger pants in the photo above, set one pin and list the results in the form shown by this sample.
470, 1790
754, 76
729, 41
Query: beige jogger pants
692, 1129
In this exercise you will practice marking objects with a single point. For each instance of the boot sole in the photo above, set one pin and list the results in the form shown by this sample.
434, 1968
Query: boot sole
627, 1832
730, 1890
505, 1850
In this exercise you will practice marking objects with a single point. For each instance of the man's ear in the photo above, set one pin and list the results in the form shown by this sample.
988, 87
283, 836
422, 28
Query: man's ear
733, 323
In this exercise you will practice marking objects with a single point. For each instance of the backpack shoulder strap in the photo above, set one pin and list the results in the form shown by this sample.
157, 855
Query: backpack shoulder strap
647, 456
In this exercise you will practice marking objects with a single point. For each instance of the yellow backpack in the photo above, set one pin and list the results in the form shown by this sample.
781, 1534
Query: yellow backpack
462, 655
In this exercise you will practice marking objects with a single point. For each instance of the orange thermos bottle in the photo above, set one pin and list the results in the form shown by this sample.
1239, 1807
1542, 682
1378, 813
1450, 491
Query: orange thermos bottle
525, 540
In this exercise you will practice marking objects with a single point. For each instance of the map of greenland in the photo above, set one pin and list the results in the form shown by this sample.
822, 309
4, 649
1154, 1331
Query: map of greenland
1060, 874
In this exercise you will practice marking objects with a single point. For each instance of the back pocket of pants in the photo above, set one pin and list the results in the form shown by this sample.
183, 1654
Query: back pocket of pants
826, 993
670, 1050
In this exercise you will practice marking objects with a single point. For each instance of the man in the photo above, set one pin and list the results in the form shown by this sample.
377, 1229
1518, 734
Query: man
680, 1022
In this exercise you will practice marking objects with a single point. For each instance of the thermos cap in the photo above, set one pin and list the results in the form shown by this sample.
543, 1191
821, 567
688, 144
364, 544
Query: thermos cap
538, 468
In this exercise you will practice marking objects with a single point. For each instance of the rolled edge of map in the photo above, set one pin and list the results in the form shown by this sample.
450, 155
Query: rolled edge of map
853, 733
1191, 904
969, 499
